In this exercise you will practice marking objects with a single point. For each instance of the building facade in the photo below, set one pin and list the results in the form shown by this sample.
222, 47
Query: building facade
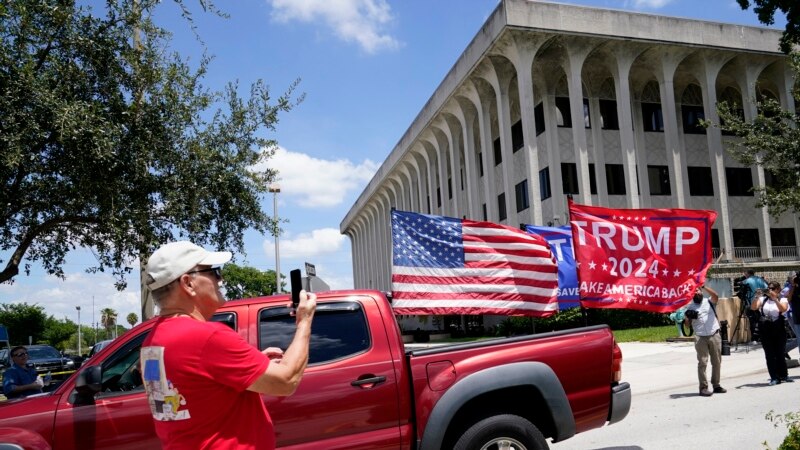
551, 99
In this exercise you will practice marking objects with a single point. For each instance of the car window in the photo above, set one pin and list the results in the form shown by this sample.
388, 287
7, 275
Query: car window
121, 371
43, 353
228, 318
339, 330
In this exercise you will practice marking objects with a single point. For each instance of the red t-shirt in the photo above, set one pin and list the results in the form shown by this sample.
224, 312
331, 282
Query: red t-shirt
196, 375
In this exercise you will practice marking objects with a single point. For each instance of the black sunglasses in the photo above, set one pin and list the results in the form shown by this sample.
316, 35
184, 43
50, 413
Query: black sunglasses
216, 270
20, 354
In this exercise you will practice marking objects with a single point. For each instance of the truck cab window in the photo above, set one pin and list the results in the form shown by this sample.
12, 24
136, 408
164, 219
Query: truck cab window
339, 330
228, 318
121, 371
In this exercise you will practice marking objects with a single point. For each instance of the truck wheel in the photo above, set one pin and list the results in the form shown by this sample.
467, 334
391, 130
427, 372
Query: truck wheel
505, 431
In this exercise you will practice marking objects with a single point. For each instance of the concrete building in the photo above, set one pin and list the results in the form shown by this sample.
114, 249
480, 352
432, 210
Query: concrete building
551, 99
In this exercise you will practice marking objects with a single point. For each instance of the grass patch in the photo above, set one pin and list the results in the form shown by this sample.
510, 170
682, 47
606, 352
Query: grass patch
650, 334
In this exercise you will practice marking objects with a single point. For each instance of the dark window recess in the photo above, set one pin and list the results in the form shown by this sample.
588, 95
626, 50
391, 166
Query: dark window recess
700, 184
438, 197
480, 163
428, 198
692, 115
615, 179
745, 237
587, 119
770, 180
521, 191
569, 178
501, 206
544, 183
498, 153
592, 180
461, 173
608, 114
538, 114
740, 181
449, 188
562, 105
658, 176
714, 238
782, 237
652, 117
485, 214
339, 330
517, 141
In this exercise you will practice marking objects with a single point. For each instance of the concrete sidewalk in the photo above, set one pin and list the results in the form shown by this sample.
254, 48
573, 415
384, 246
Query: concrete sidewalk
655, 367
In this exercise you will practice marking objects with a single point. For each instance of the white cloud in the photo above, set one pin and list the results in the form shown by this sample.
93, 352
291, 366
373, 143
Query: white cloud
359, 21
324, 241
317, 182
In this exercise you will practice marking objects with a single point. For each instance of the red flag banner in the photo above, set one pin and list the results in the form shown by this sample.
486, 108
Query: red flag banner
442, 265
644, 259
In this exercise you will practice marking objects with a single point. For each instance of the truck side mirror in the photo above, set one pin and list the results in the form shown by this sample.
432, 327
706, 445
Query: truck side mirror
87, 384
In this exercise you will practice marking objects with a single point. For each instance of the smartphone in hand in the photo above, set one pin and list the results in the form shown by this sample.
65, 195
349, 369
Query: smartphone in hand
297, 285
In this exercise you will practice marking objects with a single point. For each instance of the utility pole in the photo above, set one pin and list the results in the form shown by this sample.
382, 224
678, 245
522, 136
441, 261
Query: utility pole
276, 189
79, 329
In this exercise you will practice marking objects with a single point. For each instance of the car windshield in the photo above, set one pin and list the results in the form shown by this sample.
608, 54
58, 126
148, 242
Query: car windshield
43, 353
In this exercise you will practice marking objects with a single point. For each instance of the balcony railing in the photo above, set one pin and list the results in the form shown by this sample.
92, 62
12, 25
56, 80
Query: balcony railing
747, 253
784, 253
779, 253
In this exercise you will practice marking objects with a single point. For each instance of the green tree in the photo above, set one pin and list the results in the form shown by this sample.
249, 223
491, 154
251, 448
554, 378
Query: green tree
132, 318
244, 282
108, 318
766, 9
23, 320
58, 332
110, 141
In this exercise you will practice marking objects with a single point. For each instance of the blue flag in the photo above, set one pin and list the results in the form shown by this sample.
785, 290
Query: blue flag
560, 240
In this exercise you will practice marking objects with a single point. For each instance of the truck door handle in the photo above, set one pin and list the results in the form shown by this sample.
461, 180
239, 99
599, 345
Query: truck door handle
367, 383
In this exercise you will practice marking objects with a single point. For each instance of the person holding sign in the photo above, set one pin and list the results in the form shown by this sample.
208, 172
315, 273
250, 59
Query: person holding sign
702, 313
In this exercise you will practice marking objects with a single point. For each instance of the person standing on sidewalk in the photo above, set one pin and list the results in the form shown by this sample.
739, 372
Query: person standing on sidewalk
754, 284
773, 331
702, 314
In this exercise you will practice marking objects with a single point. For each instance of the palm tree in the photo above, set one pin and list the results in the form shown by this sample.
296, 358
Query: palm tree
108, 318
132, 319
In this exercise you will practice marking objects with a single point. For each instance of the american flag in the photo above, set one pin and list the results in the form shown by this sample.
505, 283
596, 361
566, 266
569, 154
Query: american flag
442, 265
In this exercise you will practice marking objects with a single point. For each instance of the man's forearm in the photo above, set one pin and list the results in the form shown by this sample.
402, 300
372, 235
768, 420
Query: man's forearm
295, 357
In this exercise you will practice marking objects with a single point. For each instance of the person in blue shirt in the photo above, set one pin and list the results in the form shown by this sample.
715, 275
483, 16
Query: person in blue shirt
755, 285
19, 380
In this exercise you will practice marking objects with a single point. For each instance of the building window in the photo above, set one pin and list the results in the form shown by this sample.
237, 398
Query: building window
544, 183
782, 237
461, 174
652, 117
587, 121
501, 206
485, 214
615, 179
700, 181
740, 181
745, 243
770, 180
480, 163
608, 115
438, 197
450, 188
498, 153
564, 119
659, 180
569, 178
692, 115
428, 201
592, 180
517, 142
538, 114
521, 190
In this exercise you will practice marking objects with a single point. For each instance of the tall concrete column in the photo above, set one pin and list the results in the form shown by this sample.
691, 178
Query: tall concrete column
465, 113
385, 242
453, 155
373, 254
441, 165
711, 66
625, 57
641, 158
676, 155
434, 181
598, 151
554, 157
576, 55
483, 107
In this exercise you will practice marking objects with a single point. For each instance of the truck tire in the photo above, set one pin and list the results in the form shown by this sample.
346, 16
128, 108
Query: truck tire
504, 431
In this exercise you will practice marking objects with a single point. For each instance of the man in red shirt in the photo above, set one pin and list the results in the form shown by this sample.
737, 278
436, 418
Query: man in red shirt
202, 379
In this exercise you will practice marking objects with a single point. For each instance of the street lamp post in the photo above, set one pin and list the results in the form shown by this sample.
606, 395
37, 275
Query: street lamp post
275, 189
79, 329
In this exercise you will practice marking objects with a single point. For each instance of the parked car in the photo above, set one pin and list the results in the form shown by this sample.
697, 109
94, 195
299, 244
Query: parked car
362, 389
99, 346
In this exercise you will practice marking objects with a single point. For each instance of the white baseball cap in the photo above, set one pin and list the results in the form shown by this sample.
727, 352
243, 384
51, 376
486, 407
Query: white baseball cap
176, 258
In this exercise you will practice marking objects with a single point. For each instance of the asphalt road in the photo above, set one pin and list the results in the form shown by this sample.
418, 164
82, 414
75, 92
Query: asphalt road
667, 413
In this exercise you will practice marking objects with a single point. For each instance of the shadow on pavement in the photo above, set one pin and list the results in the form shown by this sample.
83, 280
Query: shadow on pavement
677, 396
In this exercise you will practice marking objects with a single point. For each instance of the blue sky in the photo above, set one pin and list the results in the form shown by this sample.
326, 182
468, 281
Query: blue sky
366, 67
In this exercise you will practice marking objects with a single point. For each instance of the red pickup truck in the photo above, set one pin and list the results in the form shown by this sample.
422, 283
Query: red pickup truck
362, 389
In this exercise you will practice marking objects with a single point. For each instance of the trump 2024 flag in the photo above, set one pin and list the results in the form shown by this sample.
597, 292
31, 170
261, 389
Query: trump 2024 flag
442, 265
645, 259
